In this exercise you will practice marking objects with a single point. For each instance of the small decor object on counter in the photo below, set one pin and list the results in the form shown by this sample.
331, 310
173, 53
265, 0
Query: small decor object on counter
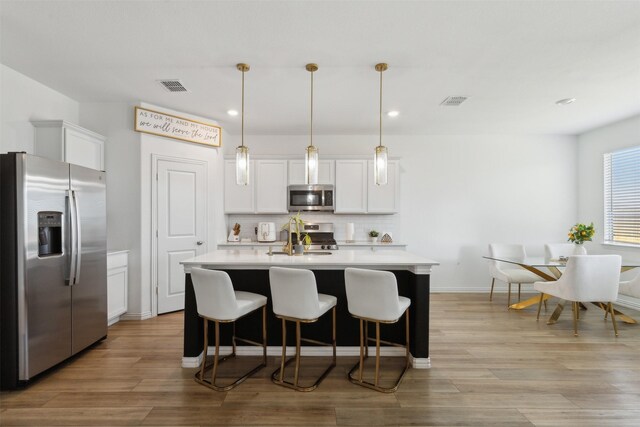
386, 238
373, 236
579, 234
234, 235
302, 244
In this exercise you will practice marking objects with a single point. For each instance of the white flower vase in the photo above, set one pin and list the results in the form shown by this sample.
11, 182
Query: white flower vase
373, 239
579, 249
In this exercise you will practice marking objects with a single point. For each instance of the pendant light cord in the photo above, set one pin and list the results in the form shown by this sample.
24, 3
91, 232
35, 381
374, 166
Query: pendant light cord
242, 126
311, 121
381, 108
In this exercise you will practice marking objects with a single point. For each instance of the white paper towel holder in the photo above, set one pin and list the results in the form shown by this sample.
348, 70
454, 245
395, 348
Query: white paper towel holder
350, 231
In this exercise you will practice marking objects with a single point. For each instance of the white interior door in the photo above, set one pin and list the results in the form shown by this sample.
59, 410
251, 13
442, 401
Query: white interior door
181, 225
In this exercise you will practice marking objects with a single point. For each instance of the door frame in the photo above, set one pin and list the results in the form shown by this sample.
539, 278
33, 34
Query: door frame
155, 159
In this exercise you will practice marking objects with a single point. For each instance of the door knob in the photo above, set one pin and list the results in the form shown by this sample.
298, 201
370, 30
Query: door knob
199, 242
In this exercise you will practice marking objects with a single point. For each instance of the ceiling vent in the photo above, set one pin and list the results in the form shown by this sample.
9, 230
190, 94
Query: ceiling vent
173, 85
453, 101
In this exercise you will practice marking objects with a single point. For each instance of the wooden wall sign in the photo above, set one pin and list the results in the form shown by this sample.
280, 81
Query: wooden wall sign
170, 126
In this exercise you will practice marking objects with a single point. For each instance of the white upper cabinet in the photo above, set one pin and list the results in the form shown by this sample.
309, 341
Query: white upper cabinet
351, 186
326, 172
271, 186
66, 142
384, 199
238, 198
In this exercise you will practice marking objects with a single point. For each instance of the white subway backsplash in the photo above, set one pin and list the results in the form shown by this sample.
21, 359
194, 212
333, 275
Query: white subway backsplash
362, 223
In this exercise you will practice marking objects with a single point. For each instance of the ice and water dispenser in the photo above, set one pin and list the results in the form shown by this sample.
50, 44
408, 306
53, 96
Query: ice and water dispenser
49, 233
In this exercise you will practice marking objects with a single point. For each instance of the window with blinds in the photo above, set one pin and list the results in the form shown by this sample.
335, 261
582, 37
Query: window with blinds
622, 196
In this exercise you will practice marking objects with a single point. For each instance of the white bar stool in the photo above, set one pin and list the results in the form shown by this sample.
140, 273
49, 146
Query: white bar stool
295, 298
218, 302
372, 296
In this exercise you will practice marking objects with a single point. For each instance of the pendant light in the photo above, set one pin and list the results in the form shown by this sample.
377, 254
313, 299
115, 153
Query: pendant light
380, 160
311, 154
242, 152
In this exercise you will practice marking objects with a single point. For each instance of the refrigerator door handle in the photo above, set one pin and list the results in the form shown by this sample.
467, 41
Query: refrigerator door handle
74, 238
78, 239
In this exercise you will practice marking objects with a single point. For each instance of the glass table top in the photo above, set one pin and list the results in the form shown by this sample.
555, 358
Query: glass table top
540, 261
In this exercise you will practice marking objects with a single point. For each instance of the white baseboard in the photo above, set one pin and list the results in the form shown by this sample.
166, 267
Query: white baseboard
629, 302
623, 300
417, 363
136, 316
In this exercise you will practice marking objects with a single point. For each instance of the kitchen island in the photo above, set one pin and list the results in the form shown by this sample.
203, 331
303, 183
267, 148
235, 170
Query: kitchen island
249, 271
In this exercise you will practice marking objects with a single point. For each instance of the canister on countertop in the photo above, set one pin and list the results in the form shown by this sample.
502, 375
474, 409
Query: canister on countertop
350, 232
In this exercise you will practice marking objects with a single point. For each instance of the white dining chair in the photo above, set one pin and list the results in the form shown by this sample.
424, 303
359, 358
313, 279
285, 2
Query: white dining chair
586, 278
372, 296
631, 287
557, 250
508, 273
217, 301
295, 298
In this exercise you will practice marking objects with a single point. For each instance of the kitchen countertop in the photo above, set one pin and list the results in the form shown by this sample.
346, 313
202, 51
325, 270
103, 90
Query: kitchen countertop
340, 243
260, 260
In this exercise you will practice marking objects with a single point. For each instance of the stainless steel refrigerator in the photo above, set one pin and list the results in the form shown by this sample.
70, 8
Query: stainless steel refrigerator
53, 266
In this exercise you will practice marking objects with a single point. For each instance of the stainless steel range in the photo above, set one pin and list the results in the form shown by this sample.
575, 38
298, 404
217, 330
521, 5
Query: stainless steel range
321, 236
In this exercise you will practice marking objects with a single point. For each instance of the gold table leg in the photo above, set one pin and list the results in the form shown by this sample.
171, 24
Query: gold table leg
556, 313
620, 315
528, 302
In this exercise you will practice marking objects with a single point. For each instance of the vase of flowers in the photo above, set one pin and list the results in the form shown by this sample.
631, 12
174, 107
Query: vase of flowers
579, 234
373, 236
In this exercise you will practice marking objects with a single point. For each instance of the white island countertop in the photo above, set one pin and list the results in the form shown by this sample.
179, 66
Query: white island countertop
260, 260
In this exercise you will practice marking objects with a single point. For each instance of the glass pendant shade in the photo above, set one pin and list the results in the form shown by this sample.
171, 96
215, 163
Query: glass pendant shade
242, 165
311, 165
380, 168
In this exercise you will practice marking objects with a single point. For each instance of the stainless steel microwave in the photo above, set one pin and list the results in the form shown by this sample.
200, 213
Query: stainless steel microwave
311, 198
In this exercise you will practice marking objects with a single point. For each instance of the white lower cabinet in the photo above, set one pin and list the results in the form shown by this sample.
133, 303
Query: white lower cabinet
117, 285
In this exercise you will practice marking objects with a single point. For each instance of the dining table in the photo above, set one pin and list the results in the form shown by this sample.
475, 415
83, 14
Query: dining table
550, 269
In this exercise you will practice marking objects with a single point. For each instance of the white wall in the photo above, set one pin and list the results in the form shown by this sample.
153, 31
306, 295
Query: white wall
591, 147
23, 99
122, 163
459, 193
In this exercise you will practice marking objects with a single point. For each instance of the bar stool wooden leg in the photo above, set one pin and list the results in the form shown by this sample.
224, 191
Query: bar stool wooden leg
493, 281
284, 349
375, 385
297, 369
206, 346
217, 352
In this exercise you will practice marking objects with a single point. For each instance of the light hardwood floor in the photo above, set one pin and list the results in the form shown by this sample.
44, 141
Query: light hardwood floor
490, 366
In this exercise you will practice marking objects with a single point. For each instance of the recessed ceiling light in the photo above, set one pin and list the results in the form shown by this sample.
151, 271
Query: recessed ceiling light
393, 113
232, 112
565, 101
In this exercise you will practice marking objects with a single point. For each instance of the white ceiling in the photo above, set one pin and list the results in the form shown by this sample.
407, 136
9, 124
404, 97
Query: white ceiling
512, 59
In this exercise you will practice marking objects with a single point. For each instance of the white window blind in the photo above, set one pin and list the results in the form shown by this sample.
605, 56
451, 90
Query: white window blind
622, 196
